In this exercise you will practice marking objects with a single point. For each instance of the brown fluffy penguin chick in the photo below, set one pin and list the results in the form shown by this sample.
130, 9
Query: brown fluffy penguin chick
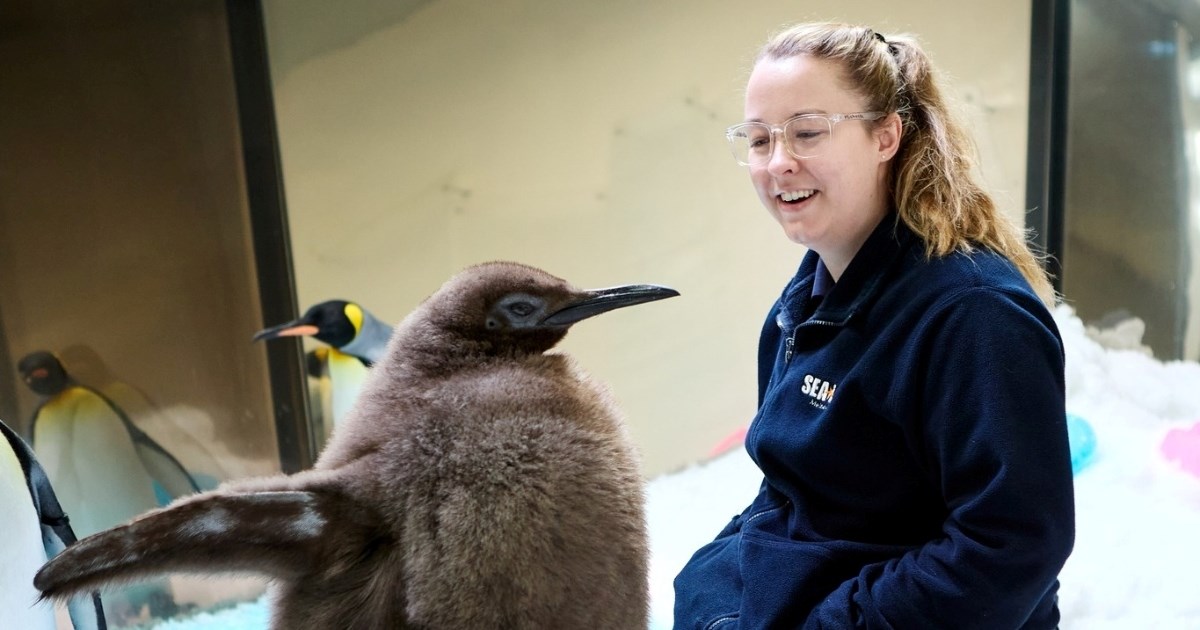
478, 483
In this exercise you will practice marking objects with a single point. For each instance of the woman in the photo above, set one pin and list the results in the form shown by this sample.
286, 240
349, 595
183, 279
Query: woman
911, 425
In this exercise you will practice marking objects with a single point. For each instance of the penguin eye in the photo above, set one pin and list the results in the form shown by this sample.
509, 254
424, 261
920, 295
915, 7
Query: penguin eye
521, 309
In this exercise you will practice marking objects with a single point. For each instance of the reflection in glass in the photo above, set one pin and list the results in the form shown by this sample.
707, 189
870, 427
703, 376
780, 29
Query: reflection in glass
126, 256
1130, 219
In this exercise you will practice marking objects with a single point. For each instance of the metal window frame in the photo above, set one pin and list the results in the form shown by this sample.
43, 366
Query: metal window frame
1046, 162
269, 226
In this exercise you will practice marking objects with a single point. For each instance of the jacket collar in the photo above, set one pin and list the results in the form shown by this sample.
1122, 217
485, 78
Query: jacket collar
862, 280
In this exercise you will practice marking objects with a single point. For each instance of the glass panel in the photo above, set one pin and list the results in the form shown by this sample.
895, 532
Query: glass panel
1128, 225
125, 252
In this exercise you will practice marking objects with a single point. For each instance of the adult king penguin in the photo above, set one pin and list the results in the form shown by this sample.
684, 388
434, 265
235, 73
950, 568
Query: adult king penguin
103, 467
105, 470
356, 339
479, 482
35, 528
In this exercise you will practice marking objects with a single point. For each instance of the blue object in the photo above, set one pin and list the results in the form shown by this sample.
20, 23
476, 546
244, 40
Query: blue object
252, 615
1083, 442
203, 482
161, 496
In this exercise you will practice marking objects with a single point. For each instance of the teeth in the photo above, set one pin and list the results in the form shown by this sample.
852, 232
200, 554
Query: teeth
796, 195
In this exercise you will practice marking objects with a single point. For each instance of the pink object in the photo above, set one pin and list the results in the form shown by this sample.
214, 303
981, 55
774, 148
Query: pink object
1183, 446
730, 441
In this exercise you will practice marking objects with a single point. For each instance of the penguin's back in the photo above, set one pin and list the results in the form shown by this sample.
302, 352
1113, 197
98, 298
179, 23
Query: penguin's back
525, 505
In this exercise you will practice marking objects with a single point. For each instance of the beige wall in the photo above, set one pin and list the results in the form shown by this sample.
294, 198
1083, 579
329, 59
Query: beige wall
585, 138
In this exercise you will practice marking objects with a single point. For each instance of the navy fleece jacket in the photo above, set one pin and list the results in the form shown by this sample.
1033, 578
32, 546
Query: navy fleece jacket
912, 436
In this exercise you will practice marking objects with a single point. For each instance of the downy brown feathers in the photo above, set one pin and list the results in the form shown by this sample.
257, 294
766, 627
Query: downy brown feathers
476, 483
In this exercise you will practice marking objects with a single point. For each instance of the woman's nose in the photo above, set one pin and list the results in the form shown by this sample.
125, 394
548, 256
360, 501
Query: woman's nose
781, 160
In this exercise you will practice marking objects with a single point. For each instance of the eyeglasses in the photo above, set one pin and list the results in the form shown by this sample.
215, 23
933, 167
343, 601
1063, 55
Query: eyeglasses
806, 135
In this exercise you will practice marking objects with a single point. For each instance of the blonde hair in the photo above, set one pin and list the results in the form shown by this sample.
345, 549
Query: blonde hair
933, 187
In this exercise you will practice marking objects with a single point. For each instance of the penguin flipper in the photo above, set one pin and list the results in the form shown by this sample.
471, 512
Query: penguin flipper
164, 468
159, 463
279, 534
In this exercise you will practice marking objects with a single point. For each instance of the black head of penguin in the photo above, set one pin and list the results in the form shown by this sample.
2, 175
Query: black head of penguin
507, 308
327, 321
333, 324
43, 373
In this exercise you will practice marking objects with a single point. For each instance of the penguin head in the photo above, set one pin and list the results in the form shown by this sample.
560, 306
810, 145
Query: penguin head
506, 308
335, 322
43, 373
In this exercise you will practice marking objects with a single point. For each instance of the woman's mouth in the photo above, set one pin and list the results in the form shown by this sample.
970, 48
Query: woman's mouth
795, 197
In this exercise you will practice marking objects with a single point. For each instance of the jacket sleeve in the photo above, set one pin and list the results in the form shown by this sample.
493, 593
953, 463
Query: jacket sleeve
980, 393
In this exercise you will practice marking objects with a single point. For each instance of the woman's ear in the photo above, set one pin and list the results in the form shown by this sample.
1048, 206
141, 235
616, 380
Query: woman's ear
888, 135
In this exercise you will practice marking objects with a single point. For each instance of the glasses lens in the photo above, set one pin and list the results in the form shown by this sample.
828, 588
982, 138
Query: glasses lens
807, 136
750, 143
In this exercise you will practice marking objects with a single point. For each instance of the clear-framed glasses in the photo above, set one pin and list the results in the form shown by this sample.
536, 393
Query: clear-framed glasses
806, 136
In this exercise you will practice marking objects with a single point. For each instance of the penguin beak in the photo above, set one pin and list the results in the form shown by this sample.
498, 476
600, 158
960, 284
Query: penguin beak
291, 329
590, 303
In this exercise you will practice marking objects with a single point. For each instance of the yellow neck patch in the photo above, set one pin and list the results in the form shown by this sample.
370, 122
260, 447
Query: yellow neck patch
355, 315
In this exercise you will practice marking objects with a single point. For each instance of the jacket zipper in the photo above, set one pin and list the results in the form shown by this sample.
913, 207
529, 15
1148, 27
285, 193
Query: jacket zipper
790, 342
720, 621
766, 512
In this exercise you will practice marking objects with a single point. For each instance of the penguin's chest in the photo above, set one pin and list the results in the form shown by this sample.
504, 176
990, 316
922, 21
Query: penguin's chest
506, 435
500, 448
346, 376
22, 553
519, 496
91, 461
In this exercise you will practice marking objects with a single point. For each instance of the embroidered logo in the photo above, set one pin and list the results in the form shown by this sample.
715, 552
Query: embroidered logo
820, 390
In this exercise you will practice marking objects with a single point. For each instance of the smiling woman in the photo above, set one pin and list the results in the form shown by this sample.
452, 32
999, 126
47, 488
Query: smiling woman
911, 425
839, 194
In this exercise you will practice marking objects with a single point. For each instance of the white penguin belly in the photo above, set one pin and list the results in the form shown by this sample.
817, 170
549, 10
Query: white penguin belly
22, 553
92, 463
347, 374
